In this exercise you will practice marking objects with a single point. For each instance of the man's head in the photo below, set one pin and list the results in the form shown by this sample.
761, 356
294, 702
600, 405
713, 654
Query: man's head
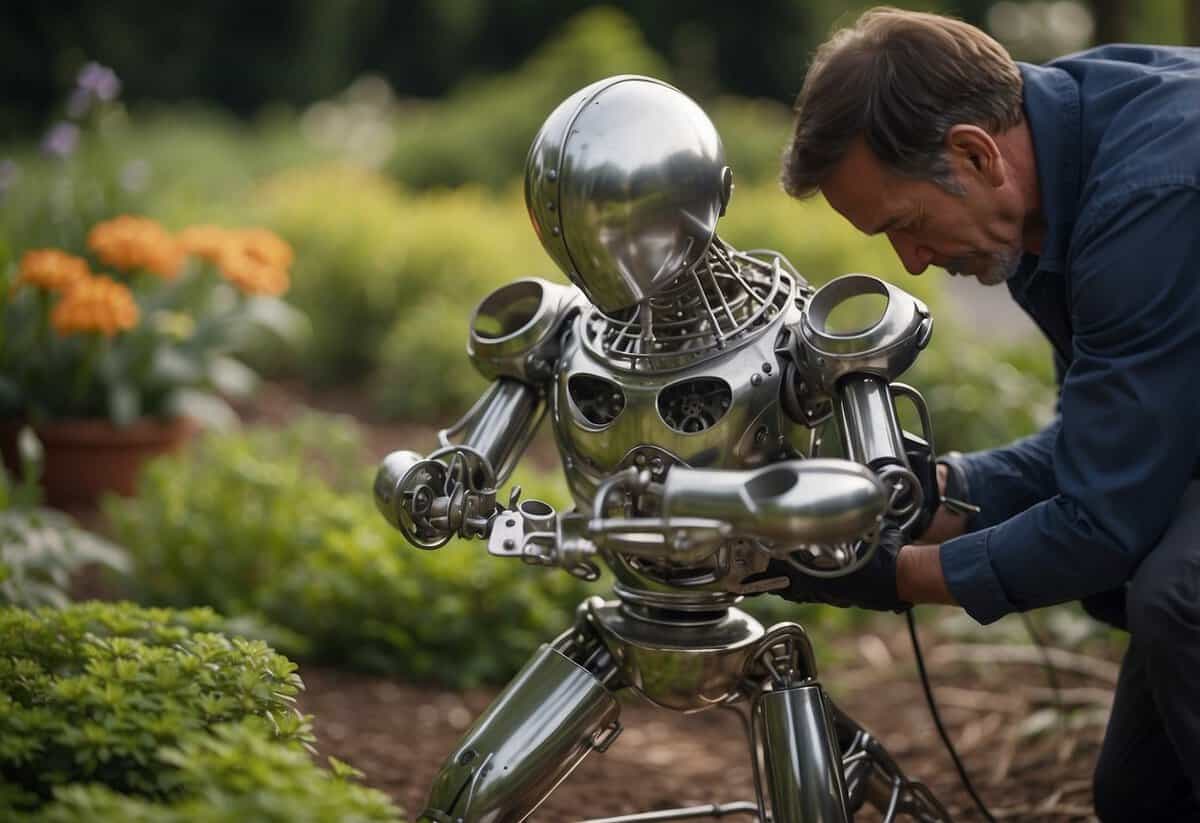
907, 123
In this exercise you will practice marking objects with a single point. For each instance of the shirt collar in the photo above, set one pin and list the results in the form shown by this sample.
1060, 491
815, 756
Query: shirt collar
1051, 100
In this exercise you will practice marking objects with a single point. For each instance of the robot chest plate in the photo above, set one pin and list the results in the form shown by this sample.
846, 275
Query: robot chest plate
724, 413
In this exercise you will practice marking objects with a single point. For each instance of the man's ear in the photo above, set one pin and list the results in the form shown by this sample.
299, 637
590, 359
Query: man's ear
973, 149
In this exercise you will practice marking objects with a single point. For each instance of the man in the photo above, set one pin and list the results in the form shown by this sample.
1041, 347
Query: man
1078, 185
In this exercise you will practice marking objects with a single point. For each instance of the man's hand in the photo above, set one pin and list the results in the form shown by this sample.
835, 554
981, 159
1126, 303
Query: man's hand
947, 522
871, 587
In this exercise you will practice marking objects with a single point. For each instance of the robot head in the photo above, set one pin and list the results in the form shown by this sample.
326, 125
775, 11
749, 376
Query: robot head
624, 184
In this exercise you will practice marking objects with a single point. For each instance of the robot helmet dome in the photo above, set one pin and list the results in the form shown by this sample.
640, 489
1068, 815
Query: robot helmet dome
624, 183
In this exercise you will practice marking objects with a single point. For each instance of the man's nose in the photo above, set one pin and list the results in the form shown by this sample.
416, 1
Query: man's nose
915, 257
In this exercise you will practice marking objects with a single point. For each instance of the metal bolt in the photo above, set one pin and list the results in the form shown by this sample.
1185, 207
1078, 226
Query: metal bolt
766, 368
510, 544
552, 175
466, 757
756, 379
556, 231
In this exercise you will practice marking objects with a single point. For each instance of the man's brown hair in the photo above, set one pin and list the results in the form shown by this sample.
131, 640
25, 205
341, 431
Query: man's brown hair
899, 79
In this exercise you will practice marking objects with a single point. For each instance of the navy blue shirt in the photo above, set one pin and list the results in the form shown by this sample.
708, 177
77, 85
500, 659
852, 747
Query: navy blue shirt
1072, 510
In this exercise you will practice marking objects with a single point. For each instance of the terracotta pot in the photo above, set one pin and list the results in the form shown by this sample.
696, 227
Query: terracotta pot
86, 458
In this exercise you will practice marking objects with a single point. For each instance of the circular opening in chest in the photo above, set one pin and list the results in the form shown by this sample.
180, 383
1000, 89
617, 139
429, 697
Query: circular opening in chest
600, 401
692, 406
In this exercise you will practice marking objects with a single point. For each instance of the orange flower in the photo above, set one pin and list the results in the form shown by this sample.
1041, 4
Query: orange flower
51, 269
254, 260
241, 267
266, 246
95, 304
129, 242
206, 241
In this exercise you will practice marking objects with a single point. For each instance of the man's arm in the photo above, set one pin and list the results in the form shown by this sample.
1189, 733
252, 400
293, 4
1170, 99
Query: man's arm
1130, 416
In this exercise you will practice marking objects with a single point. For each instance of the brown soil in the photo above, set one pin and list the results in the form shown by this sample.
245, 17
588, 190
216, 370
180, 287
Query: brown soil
1028, 761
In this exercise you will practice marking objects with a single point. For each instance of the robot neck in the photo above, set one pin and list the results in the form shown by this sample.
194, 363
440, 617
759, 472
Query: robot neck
725, 299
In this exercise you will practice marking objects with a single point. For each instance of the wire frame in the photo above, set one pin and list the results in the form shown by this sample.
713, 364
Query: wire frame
723, 299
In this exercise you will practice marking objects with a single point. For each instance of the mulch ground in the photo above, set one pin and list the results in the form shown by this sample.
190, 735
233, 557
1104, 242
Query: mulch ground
1029, 748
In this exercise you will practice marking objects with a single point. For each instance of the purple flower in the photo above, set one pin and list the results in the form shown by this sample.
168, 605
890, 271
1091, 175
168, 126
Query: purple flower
62, 139
99, 81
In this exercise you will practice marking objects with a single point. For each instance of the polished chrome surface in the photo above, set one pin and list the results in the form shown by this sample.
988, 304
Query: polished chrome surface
683, 663
871, 435
684, 813
499, 426
548, 718
624, 182
885, 349
681, 400
872, 777
514, 331
790, 503
727, 297
803, 762
748, 430
866, 420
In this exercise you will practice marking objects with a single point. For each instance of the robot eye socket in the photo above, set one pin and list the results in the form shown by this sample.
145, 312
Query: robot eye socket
600, 401
691, 406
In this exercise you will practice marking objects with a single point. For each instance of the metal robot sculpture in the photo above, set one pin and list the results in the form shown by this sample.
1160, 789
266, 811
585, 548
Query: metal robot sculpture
685, 382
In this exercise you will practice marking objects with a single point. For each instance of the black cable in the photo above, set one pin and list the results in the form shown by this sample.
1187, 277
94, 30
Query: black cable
937, 719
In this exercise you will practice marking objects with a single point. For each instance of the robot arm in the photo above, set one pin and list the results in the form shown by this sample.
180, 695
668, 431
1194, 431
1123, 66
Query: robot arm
855, 372
514, 340
785, 507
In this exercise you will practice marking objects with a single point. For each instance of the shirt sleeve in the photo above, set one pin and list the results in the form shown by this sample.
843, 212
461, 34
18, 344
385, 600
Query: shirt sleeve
1129, 427
1006, 481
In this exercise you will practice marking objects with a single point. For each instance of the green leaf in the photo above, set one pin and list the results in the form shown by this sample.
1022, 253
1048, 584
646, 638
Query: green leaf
231, 377
286, 322
176, 367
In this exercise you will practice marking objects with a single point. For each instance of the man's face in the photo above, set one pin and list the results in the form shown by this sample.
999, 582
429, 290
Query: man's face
973, 233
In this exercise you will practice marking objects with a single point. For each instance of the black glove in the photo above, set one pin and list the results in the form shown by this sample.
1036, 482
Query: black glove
871, 587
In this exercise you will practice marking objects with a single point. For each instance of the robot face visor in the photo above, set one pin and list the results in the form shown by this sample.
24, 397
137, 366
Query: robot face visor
625, 183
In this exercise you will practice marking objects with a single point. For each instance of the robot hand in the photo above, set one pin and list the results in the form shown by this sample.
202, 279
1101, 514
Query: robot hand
450, 493
871, 587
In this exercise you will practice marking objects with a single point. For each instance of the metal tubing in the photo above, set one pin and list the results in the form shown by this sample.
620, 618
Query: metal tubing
714, 810
866, 420
502, 423
532, 736
803, 761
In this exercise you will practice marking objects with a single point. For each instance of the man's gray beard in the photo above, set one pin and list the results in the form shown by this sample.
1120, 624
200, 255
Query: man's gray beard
1001, 267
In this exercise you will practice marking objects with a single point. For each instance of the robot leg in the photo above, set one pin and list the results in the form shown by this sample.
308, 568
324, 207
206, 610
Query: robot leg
557, 709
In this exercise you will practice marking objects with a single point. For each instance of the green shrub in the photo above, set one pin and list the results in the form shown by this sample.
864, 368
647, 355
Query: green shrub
90, 693
983, 396
244, 522
482, 132
41, 548
231, 776
373, 259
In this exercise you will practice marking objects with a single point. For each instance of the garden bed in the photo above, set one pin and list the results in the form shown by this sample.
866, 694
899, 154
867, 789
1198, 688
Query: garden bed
1028, 761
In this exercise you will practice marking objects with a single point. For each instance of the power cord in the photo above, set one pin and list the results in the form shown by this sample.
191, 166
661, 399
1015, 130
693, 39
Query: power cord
937, 719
